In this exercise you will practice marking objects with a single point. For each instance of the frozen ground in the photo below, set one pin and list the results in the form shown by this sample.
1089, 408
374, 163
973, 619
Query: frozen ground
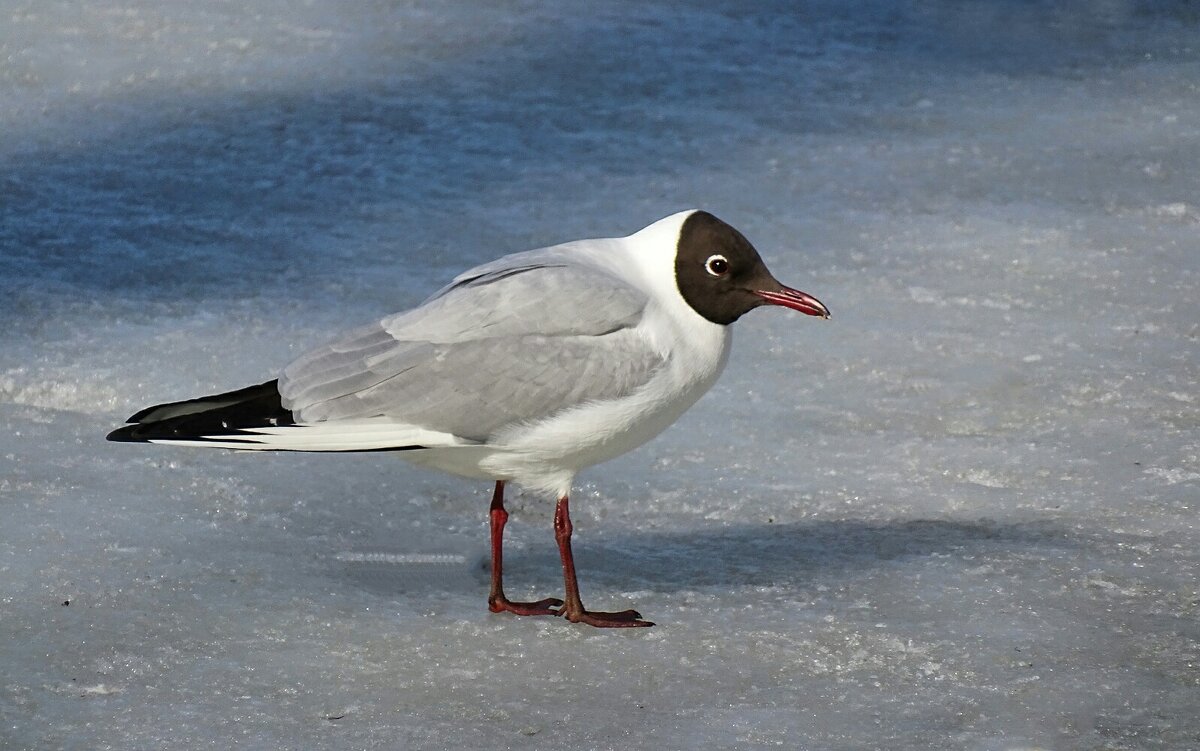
960, 515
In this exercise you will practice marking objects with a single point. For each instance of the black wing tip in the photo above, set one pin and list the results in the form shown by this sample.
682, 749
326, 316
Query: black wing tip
223, 414
144, 432
263, 397
124, 434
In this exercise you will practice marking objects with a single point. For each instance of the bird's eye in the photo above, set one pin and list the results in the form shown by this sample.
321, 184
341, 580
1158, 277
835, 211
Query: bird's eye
717, 265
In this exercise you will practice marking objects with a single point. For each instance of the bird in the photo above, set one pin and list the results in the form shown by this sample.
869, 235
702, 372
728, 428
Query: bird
524, 370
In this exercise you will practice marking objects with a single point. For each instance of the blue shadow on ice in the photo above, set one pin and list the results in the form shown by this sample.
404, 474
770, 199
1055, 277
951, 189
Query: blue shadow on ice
162, 194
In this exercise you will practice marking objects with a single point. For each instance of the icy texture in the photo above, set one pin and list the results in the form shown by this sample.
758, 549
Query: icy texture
960, 515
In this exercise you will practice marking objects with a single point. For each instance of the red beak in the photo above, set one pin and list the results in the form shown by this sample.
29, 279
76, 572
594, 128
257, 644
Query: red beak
794, 299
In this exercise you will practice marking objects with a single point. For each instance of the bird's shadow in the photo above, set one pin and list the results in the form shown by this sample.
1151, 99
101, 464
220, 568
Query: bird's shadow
742, 555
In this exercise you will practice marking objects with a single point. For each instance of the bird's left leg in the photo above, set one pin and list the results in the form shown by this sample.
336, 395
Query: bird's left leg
573, 610
497, 602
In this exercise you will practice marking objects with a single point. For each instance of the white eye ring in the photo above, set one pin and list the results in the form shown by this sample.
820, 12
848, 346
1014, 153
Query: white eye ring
717, 265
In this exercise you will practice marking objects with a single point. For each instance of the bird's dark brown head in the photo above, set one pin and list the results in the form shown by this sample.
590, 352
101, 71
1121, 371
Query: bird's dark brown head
721, 276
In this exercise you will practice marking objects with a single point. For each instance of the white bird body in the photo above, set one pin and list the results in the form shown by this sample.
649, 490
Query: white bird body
525, 369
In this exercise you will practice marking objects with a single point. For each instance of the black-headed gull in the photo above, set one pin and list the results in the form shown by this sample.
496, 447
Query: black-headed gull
526, 369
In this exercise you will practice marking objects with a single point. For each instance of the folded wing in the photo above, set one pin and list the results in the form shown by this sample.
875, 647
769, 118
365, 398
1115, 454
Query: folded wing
516, 340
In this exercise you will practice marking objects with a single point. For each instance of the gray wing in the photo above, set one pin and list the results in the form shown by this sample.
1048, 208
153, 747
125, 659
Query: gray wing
518, 339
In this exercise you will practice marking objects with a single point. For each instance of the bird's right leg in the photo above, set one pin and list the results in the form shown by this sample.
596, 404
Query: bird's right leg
497, 602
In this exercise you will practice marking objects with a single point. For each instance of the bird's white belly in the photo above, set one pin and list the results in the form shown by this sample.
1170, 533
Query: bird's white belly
545, 456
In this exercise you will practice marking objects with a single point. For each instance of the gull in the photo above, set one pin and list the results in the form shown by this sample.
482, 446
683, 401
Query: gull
526, 369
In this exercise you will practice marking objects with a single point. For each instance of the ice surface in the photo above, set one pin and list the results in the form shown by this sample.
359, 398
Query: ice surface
960, 515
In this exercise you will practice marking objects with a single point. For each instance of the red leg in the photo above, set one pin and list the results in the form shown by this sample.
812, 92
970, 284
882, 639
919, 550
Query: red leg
497, 602
573, 610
